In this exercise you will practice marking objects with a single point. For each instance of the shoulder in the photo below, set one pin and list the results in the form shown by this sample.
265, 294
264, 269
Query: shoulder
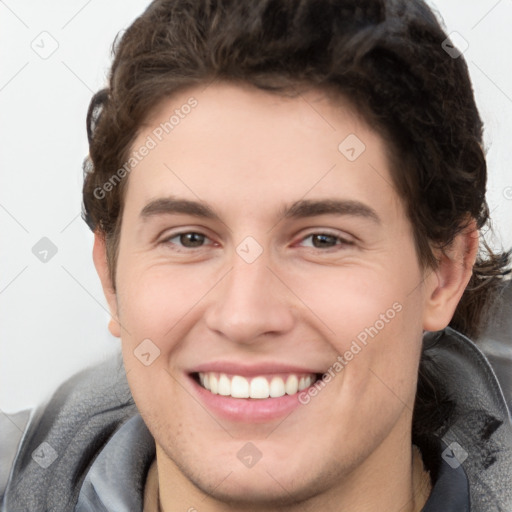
477, 424
12, 427
60, 439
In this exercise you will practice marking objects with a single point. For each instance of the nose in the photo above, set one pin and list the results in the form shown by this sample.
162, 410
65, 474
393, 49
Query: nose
250, 302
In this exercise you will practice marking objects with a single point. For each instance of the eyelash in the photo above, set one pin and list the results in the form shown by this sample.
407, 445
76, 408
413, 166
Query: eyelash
167, 241
339, 241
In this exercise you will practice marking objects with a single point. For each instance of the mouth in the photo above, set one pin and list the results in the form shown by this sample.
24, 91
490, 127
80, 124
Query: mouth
257, 387
260, 392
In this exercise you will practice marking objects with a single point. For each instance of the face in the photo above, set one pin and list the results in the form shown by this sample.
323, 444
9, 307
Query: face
263, 246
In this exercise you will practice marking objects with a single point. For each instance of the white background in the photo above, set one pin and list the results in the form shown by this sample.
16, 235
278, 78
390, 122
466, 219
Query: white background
53, 317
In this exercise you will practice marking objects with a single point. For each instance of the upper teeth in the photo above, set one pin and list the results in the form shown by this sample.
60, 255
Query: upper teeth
255, 387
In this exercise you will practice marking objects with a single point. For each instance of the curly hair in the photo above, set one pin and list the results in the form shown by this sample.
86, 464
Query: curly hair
386, 57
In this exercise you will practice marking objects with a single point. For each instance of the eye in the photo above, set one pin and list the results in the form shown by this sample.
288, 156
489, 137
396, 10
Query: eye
190, 240
323, 241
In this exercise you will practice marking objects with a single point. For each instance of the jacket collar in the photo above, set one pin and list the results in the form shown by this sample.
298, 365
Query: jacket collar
115, 481
475, 427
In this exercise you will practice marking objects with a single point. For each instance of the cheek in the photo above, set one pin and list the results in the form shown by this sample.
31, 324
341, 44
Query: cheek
158, 307
373, 322
155, 309
381, 376
350, 301
155, 301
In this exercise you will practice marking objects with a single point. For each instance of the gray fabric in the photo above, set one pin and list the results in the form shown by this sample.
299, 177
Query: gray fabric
102, 448
483, 427
121, 466
451, 490
73, 427
496, 340
12, 428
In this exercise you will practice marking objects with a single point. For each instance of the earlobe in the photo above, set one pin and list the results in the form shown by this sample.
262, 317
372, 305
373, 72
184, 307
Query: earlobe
114, 327
446, 283
99, 255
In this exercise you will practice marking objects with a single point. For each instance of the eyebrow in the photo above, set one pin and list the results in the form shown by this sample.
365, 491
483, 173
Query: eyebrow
298, 209
312, 208
170, 205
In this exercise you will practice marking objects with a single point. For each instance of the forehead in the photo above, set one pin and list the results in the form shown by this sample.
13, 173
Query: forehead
258, 149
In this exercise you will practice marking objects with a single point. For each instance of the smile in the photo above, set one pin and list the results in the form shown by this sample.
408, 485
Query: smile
257, 387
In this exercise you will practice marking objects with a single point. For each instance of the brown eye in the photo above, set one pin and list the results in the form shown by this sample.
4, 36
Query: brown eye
191, 239
325, 241
322, 240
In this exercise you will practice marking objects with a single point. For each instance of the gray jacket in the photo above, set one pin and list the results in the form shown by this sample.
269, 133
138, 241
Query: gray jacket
87, 449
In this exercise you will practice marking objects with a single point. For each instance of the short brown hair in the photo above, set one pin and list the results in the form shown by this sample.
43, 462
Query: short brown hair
385, 57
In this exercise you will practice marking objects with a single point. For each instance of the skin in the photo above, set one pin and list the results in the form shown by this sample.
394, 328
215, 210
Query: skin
249, 155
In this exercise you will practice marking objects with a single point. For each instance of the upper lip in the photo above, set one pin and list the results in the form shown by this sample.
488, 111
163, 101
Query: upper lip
251, 370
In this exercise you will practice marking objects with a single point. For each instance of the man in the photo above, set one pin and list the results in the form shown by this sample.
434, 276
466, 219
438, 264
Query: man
286, 199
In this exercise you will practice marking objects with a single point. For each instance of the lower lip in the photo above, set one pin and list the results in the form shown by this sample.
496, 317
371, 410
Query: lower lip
249, 410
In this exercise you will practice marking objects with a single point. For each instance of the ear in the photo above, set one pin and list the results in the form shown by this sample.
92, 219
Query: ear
99, 255
446, 283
